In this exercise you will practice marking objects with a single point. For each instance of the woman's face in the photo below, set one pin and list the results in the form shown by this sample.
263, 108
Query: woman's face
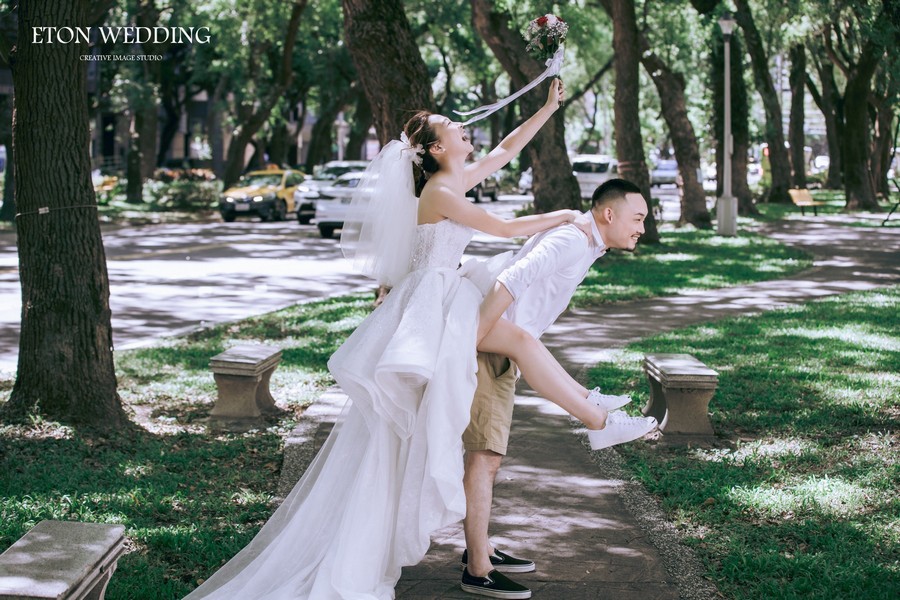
452, 135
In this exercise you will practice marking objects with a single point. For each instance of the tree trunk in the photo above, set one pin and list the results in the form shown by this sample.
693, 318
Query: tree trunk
629, 144
830, 103
857, 177
359, 130
796, 135
670, 87
65, 367
214, 127
779, 159
740, 116
8, 210
391, 70
553, 183
147, 134
884, 139
248, 127
134, 180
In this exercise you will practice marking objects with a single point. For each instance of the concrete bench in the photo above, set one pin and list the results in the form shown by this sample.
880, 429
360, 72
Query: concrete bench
242, 375
61, 560
680, 390
803, 198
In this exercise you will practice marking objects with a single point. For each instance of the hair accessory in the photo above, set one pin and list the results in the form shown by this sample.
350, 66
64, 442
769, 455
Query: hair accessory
413, 153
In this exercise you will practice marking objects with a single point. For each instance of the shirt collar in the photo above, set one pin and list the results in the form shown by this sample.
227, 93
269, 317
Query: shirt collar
598, 246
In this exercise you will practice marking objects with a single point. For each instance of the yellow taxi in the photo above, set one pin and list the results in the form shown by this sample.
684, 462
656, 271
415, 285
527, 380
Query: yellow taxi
268, 194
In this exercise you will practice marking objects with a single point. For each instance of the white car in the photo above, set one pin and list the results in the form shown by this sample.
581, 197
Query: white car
307, 193
593, 169
334, 201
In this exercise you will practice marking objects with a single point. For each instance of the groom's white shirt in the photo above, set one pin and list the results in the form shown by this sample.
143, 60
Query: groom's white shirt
543, 275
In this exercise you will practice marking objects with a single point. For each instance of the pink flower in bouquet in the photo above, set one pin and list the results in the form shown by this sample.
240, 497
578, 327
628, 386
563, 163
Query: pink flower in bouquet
545, 35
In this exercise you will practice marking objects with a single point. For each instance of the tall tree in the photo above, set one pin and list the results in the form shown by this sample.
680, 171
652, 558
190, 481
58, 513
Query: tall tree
255, 112
796, 135
388, 63
779, 159
629, 144
858, 185
65, 368
831, 103
554, 185
670, 87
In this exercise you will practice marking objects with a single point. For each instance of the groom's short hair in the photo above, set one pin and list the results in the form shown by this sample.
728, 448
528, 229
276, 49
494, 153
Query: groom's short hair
612, 191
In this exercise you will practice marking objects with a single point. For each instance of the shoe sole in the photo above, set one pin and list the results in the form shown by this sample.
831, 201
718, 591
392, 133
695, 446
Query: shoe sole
606, 443
509, 568
474, 589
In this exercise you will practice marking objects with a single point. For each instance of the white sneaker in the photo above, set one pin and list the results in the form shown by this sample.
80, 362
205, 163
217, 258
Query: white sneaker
607, 401
620, 428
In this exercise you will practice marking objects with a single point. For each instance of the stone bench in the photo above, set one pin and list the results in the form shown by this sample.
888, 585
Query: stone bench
62, 560
680, 390
242, 375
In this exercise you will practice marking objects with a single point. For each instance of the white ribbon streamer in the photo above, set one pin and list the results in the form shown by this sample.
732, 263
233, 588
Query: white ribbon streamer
554, 64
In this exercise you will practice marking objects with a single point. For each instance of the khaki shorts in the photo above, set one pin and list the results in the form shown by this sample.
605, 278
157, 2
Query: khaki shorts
492, 407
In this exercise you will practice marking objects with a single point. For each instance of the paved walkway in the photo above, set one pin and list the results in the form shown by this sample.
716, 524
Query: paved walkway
593, 533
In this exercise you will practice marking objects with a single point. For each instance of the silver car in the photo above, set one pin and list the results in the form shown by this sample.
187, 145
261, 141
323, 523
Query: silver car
325, 176
333, 201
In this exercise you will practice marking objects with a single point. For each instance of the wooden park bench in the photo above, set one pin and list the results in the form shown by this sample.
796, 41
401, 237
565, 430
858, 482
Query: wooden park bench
61, 560
680, 390
802, 198
242, 375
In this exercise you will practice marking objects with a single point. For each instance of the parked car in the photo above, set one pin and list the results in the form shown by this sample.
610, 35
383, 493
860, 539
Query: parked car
308, 192
334, 201
593, 169
267, 194
490, 187
665, 172
525, 181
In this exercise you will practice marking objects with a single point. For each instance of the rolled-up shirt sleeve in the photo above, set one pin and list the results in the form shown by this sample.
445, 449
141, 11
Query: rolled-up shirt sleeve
554, 251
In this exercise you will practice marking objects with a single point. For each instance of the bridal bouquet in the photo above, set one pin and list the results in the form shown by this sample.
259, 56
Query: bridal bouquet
544, 36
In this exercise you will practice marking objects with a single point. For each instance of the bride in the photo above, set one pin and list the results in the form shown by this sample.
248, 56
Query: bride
391, 471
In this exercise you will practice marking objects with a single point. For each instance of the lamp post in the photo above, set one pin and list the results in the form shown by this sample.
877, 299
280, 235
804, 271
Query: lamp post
726, 213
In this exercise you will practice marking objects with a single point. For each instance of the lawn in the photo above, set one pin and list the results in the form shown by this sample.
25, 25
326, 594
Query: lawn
803, 501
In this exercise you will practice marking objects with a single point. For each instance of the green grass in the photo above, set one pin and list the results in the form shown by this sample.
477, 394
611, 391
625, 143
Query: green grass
805, 501
687, 259
189, 499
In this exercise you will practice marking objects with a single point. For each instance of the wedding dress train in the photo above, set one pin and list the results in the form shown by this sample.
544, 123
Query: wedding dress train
391, 471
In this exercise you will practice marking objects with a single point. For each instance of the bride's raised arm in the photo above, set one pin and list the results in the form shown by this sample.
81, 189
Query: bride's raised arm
513, 143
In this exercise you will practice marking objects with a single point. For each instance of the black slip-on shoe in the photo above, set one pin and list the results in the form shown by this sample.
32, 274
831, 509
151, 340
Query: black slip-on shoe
504, 563
495, 585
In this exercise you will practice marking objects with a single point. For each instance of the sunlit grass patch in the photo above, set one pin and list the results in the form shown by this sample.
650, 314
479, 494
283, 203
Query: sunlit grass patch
805, 500
813, 494
687, 259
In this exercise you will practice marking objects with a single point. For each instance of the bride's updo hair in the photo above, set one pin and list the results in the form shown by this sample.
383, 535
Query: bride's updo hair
420, 131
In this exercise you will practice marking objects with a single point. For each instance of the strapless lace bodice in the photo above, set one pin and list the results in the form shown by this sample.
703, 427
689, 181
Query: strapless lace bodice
440, 244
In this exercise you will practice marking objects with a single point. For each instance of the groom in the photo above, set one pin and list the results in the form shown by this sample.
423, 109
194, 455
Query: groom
532, 293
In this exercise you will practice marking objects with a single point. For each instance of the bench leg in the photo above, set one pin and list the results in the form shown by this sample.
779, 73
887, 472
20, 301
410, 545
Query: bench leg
264, 401
688, 412
803, 210
815, 210
237, 396
656, 405
99, 590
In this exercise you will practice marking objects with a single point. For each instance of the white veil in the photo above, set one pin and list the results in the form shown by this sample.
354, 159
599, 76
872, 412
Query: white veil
380, 226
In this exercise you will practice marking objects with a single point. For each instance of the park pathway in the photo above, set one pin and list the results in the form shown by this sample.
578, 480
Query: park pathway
593, 533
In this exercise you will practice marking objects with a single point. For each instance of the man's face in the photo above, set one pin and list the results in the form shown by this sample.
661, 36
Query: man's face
626, 222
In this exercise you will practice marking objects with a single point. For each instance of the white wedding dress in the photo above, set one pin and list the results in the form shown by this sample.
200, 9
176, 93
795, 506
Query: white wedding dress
391, 471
